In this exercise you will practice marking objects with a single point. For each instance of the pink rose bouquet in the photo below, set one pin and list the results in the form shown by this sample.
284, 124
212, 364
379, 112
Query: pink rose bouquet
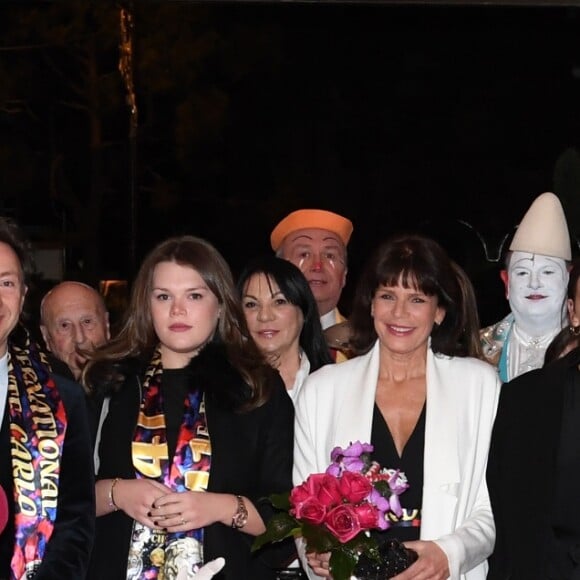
334, 511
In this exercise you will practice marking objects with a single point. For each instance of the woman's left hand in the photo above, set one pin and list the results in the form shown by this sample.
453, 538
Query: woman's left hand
187, 510
432, 563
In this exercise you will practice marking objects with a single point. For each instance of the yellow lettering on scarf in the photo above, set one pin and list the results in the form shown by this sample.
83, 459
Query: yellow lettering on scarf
23, 475
49, 483
19, 450
49, 449
23, 471
18, 440
153, 422
13, 396
199, 447
196, 480
45, 425
147, 456
49, 473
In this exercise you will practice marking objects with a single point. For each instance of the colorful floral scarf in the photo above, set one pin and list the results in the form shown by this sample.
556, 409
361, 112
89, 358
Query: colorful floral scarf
156, 554
37, 429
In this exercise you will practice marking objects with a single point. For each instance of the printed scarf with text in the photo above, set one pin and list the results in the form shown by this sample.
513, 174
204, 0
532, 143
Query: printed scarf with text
37, 429
155, 553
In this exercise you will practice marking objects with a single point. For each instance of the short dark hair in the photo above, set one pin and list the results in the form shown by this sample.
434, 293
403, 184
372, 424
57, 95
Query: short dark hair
12, 235
567, 338
416, 261
296, 290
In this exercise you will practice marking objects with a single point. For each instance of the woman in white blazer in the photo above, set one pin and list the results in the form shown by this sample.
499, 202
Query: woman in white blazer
418, 393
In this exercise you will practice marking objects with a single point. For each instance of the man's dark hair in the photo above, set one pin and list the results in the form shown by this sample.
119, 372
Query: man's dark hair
12, 235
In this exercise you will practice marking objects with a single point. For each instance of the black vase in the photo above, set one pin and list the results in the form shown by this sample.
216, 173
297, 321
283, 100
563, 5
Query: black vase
394, 558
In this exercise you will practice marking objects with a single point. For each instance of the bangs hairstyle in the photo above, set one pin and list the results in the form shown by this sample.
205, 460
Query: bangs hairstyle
296, 290
418, 262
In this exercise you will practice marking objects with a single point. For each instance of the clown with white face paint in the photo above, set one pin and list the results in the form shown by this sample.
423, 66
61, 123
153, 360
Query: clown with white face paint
536, 291
535, 278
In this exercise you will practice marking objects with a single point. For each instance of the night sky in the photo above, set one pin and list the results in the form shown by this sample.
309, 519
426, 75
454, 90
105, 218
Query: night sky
400, 117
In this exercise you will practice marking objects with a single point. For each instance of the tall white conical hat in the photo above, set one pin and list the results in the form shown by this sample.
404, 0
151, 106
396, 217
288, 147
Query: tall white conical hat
543, 230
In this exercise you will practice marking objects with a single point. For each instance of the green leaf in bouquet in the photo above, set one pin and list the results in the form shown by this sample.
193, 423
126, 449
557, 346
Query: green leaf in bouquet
281, 525
318, 538
383, 488
281, 501
342, 562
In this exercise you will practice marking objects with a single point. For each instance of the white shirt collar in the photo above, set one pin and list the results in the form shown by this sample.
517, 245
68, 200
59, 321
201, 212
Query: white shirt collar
329, 319
301, 374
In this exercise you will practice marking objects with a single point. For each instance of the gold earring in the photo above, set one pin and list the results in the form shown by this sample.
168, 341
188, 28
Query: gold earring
574, 330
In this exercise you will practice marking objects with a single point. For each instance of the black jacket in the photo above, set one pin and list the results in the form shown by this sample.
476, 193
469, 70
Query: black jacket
68, 550
251, 456
521, 475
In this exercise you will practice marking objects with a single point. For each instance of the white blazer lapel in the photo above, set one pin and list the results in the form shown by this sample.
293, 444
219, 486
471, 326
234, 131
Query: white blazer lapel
441, 461
355, 417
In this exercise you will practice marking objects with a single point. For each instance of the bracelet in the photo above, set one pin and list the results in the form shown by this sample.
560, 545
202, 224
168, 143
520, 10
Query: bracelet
240, 517
112, 503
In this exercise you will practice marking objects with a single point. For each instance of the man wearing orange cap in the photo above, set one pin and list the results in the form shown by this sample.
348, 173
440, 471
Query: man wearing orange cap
315, 240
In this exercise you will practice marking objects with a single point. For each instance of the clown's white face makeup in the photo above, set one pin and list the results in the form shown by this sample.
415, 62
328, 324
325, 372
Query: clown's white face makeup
536, 290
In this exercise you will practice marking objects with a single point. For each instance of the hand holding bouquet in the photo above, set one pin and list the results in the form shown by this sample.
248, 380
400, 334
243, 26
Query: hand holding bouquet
334, 511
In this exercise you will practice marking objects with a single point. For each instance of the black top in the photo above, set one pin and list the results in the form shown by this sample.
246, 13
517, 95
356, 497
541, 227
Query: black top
566, 507
408, 527
532, 471
174, 388
67, 551
251, 456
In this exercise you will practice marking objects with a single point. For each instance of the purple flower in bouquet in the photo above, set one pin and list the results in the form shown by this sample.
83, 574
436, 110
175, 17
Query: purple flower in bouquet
350, 459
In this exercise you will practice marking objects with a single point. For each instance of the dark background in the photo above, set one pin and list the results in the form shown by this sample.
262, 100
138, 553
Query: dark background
445, 119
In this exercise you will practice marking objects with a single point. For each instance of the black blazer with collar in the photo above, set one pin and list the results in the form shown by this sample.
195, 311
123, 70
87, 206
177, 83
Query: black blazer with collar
521, 470
68, 550
251, 456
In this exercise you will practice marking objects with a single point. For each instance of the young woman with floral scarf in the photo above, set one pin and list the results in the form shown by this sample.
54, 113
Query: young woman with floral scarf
195, 428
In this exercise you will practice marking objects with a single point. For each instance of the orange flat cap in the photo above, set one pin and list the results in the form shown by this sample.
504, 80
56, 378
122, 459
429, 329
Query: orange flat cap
311, 218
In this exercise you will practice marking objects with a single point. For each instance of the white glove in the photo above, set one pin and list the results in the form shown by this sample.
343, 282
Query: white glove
206, 572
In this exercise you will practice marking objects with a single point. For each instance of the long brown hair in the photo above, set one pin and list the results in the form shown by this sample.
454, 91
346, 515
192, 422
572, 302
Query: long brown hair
137, 335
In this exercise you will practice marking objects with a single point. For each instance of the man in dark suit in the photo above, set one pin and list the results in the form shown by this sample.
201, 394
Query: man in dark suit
45, 452
533, 475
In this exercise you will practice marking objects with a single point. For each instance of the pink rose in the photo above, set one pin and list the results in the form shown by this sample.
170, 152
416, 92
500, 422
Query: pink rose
343, 522
311, 511
328, 492
354, 487
300, 494
306, 490
368, 516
